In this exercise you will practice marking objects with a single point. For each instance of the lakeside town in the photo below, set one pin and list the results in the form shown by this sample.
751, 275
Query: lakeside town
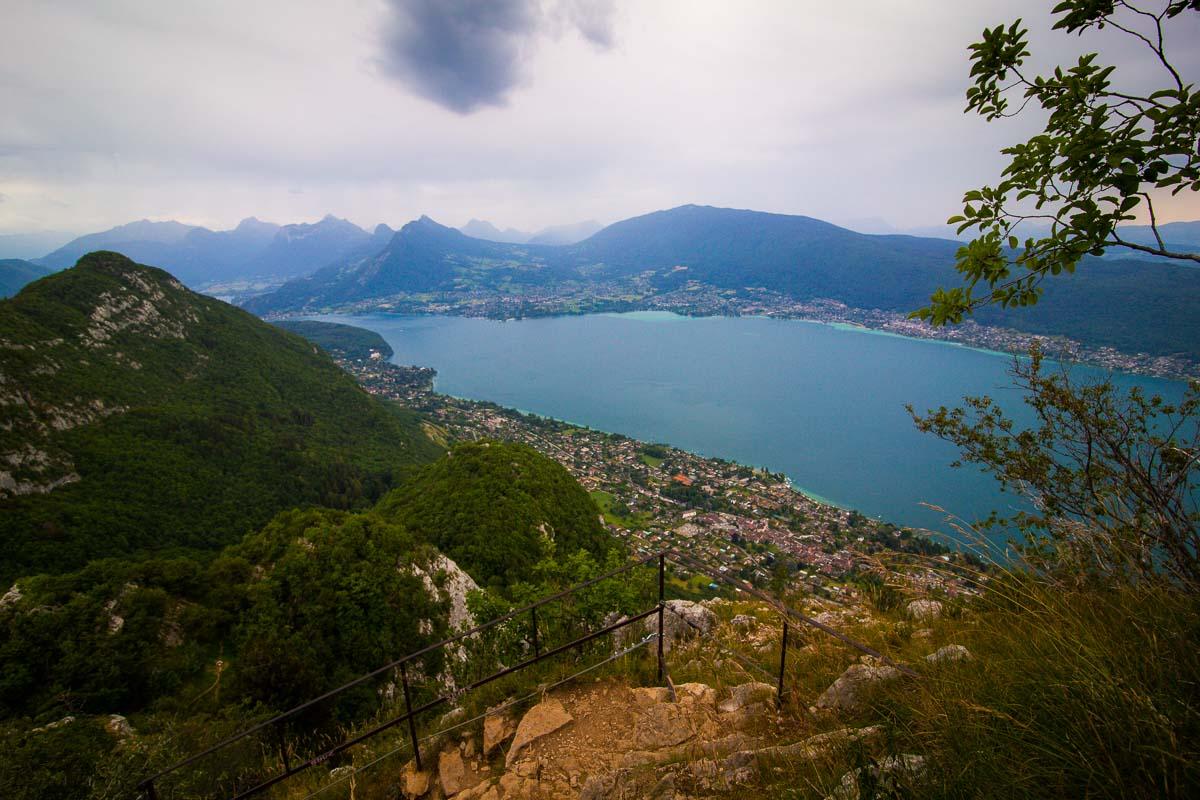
743, 523
693, 298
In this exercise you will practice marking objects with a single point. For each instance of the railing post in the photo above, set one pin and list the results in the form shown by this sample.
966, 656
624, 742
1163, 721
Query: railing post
661, 605
662, 569
782, 664
533, 627
412, 723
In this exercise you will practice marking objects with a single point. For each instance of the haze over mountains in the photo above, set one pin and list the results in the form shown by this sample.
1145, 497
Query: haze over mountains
1138, 305
555, 234
254, 249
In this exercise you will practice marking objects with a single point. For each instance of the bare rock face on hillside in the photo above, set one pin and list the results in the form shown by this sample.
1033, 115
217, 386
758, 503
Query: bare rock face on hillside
446, 580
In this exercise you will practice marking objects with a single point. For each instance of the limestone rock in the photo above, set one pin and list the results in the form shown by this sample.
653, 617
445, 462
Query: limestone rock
452, 772
645, 696
924, 610
497, 728
119, 727
544, 718
52, 725
743, 622
949, 654
11, 597
890, 778
745, 695
444, 580
682, 619
698, 693
662, 725
414, 783
845, 692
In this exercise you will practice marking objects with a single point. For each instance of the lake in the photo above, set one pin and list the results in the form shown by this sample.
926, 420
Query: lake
822, 404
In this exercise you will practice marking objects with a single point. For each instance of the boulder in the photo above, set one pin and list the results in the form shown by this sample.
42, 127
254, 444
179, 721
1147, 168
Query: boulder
413, 782
682, 619
924, 610
743, 622
543, 719
745, 695
844, 693
497, 728
451, 771
118, 726
892, 777
698, 693
949, 654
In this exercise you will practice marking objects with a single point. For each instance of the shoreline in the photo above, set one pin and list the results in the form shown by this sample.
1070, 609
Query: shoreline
1057, 349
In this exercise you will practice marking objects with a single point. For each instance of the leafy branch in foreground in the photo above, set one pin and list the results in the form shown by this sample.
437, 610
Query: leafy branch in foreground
1113, 477
1104, 151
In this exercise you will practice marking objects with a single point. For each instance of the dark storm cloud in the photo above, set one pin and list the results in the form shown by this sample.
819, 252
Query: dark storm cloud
467, 54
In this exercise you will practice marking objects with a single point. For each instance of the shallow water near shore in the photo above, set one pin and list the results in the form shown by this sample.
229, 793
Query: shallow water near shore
823, 404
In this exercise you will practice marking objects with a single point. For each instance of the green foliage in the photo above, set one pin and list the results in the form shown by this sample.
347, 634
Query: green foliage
340, 341
498, 509
1113, 478
335, 603
53, 764
560, 621
1103, 152
196, 421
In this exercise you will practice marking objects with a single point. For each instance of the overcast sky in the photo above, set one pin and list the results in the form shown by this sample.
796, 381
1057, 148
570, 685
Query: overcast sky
523, 113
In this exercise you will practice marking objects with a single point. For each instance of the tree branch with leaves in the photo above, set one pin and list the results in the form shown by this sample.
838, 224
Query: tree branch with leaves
1103, 154
1113, 477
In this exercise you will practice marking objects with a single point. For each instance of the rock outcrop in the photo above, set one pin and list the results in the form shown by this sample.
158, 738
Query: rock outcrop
544, 718
846, 692
924, 610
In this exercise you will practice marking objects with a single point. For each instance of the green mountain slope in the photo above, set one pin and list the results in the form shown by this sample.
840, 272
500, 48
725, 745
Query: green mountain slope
136, 415
15, 273
340, 341
496, 509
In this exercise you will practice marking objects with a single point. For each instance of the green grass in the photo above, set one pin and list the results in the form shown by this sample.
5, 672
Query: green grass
1071, 693
650, 461
607, 504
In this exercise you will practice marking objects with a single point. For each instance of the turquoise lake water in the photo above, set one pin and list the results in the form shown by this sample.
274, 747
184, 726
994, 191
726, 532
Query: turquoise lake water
822, 404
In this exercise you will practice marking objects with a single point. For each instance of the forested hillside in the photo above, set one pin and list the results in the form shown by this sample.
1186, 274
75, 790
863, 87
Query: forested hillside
139, 416
497, 509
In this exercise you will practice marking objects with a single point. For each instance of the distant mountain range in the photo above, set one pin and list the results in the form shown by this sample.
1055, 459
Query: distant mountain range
556, 234
1145, 306
201, 257
15, 273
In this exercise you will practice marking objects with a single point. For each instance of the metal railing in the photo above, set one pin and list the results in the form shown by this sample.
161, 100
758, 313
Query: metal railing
149, 786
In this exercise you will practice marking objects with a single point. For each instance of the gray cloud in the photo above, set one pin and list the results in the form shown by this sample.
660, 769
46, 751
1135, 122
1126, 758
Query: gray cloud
592, 18
468, 54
